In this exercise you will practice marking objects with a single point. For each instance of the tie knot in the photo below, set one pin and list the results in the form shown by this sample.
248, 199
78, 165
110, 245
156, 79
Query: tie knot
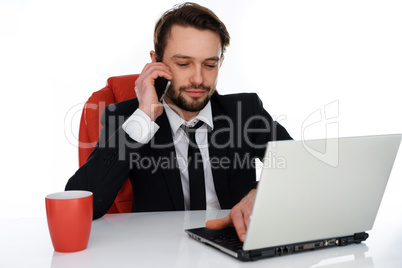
190, 131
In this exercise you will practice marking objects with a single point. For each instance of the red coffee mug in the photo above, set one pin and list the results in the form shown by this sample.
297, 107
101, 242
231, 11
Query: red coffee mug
69, 217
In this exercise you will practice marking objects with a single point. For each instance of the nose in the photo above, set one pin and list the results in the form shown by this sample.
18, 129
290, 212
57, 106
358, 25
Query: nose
197, 77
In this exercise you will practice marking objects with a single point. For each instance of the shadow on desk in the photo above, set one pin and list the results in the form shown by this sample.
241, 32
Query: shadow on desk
159, 240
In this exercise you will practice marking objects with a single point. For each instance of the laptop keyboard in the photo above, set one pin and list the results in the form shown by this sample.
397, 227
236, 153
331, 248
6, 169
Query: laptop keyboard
229, 240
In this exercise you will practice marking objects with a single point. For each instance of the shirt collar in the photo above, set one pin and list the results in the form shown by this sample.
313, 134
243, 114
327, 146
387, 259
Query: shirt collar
176, 121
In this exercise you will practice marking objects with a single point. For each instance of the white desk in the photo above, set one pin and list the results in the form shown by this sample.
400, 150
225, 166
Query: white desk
158, 240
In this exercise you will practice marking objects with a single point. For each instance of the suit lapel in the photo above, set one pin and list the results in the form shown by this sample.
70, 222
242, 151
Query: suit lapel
163, 138
219, 140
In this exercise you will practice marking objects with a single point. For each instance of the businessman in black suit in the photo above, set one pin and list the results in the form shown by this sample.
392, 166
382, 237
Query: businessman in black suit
149, 140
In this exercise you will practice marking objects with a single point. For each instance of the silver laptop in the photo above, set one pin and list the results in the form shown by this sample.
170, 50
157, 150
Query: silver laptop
312, 194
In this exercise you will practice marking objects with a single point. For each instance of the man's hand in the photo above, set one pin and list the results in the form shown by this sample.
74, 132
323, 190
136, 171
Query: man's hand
238, 217
145, 89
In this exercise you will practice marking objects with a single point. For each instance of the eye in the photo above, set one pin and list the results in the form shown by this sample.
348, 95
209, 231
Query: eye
211, 65
182, 64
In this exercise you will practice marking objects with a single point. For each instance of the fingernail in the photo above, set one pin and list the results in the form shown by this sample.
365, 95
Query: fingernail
243, 237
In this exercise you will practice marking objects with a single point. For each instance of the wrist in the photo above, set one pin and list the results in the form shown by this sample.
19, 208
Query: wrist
153, 111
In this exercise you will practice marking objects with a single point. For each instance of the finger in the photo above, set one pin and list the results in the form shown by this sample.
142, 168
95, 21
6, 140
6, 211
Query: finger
145, 83
238, 222
158, 69
246, 218
151, 71
162, 73
219, 223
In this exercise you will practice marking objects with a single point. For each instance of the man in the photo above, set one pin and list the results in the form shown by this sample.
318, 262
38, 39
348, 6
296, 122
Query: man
150, 142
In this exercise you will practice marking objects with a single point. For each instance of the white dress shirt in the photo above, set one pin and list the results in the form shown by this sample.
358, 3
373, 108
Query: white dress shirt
141, 129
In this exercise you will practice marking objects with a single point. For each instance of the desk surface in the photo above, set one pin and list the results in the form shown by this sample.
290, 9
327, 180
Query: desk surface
158, 240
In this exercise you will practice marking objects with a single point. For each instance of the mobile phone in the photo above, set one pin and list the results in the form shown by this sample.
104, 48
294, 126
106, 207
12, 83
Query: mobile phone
161, 86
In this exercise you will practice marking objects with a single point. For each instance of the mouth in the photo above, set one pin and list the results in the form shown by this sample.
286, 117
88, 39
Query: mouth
195, 93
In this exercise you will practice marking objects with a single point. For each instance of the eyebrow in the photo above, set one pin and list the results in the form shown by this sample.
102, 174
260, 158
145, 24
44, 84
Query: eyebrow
179, 56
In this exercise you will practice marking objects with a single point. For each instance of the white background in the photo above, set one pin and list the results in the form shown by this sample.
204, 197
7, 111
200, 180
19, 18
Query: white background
299, 56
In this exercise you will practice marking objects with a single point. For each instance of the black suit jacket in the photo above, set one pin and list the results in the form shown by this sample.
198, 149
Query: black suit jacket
242, 129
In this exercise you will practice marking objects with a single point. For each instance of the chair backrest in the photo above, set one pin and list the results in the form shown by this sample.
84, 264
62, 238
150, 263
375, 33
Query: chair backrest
118, 88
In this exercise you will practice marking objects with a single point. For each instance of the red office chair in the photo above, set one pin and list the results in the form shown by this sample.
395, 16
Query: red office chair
118, 88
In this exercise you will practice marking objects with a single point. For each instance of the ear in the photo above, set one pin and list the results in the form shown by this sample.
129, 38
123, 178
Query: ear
153, 56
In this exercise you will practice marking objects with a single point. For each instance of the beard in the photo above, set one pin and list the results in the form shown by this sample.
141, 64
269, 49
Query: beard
195, 105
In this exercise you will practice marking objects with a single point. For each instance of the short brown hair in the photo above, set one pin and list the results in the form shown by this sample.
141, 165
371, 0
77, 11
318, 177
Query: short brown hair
188, 14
